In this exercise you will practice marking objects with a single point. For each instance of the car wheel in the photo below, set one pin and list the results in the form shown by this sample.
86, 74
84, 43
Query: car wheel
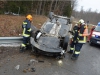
65, 43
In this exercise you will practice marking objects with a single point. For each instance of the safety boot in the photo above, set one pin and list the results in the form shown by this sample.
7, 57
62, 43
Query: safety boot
28, 47
70, 52
74, 57
22, 49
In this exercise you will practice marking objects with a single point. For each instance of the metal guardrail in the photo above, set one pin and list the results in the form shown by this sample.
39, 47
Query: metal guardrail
10, 40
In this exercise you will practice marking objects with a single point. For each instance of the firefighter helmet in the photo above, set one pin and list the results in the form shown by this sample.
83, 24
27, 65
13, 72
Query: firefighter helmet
81, 21
29, 17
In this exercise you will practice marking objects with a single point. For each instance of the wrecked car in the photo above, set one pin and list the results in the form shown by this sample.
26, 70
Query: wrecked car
52, 38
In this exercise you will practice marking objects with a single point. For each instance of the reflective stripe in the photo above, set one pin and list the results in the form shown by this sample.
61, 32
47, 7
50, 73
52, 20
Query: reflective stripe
77, 38
71, 48
23, 45
24, 30
26, 35
80, 34
24, 22
82, 41
75, 30
72, 36
85, 33
76, 52
29, 30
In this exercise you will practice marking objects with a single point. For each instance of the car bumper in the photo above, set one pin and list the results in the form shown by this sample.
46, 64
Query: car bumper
44, 49
95, 40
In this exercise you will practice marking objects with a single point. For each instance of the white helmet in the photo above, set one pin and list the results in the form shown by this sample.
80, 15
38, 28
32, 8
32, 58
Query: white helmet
76, 24
81, 21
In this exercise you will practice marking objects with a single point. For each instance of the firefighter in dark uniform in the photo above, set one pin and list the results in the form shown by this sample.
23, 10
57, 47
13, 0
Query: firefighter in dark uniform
26, 26
74, 38
81, 39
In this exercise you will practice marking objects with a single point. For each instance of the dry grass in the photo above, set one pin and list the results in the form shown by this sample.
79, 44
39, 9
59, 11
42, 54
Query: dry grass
12, 25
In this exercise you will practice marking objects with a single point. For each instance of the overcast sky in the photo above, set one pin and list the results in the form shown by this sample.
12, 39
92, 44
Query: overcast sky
93, 4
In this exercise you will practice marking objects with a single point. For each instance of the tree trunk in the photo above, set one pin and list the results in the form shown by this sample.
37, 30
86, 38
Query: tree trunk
43, 11
62, 7
55, 5
40, 7
51, 6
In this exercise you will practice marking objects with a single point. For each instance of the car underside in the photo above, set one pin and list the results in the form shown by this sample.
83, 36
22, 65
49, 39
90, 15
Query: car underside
52, 39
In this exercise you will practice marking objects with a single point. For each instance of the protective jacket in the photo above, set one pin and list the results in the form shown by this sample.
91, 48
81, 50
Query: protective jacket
75, 33
74, 38
26, 28
83, 33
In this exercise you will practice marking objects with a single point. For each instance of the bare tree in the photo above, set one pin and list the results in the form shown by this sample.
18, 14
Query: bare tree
43, 11
55, 4
74, 4
40, 7
63, 4
92, 17
51, 5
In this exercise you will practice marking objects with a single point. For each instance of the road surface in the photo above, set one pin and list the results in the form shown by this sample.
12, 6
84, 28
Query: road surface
88, 63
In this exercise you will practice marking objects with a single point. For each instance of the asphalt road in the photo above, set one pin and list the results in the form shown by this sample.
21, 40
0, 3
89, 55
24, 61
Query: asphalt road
88, 63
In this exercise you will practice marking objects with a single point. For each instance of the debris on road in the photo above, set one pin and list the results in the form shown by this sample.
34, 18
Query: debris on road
33, 69
17, 67
28, 64
60, 62
29, 70
8, 59
33, 60
25, 71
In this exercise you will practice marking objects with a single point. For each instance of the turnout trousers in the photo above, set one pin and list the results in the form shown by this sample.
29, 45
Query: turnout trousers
78, 47
25, 41
72, 45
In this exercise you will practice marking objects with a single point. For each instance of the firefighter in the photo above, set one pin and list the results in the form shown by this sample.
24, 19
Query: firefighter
74, 38
81, 39
26, 26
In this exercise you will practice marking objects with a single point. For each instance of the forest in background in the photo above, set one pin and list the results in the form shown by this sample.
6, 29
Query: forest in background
38, 7
93, 17
43, 7
39, 10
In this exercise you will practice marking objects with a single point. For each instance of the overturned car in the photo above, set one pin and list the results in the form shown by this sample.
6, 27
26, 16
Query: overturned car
53, 37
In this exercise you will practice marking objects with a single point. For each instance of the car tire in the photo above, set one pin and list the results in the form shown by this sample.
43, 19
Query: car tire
65, 43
